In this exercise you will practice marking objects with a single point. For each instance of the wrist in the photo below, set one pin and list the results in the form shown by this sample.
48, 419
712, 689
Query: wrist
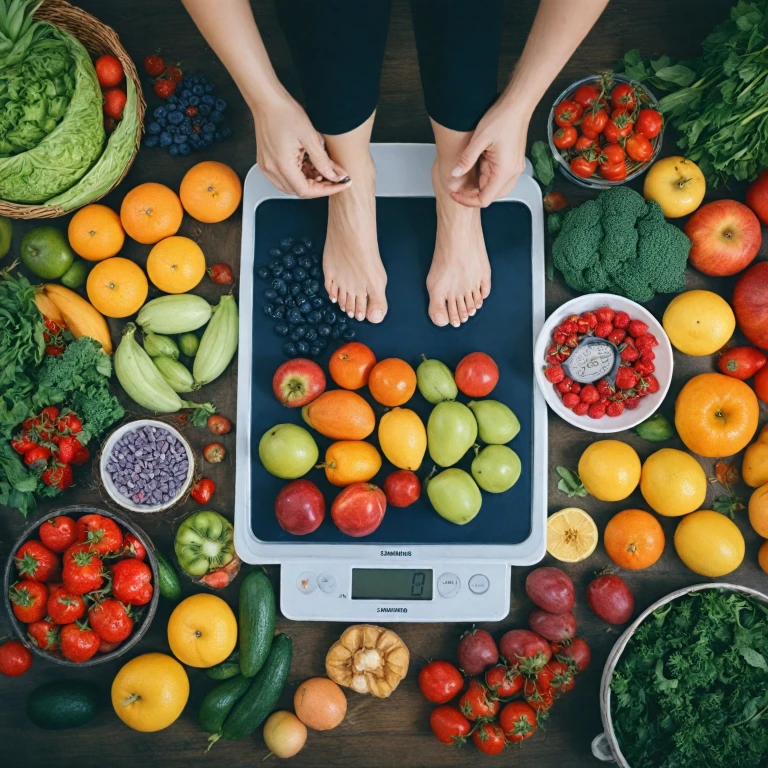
518, 105
265, 97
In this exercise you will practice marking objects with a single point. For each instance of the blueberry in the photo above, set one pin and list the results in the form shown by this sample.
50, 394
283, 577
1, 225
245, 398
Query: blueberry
209, 128
166, 139
343, 319
184, 149
329, 316
270, 294
198, 90
173, 150
185, 93
287, 276
311, 335
288, 261
162, 122
295, 289
298, 333
316, 272
281, 329
300, 298
216, 116
151, 141
311, 285
305, 307
185, 128
286, 243
209, 88
289, 349
315, 317
294, 317
154, 128
170, 108
194, 101
307, 241
183, 104
336, 333
274, 253
315, 350
279, 313
172, 129
279, 301
263, 273
209, 101
303, 347
204, 110
298, 250
217, 136
179, 138
290, 301
172, 99
160, 112
318, 302
305, 262
316, 258
281, 288
176, 118
348, 335
324, 330
269, 309
277, 268
322, 343
221, 105
299, 273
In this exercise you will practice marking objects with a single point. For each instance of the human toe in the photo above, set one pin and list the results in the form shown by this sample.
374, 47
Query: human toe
461, 305
453, 312
360, 306
438, 313
377, 307
485, 287
477, 299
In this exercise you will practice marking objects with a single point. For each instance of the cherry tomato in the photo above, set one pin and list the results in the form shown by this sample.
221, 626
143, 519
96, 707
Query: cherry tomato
449, 725
15, 659
555, 201
35, 561
565, 138
612, 154
132, 547
593, 123
64, 607
477, 702
537, 697
131, 582
28, 600
101, 533
504, 682
741, 362
518, 721
586, 95
59, 533
575, 652
440, 681
489, 738
638, 148
585, 142
649, 123
582, 167
567, 112
561, 678
618, 127
623, 96
44, 634
615, 172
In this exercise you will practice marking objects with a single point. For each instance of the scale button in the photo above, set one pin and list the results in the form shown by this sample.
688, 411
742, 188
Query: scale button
479, 584
307, 582
327, 582
448, 585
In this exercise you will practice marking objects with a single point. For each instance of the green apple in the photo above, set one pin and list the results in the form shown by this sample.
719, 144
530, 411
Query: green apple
496, 468
288, 451
455, 496
496, 423
6, 232
45, 251
451, 432
435, 381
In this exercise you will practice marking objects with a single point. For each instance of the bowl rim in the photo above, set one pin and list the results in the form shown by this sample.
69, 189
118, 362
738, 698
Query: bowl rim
108, 484
597, 182
599, 426
76, 511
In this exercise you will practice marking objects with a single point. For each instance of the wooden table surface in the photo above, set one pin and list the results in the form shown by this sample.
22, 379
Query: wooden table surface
394, 731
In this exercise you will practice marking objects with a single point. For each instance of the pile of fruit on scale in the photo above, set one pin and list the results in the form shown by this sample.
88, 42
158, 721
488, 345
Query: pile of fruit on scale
634, 378
81, 586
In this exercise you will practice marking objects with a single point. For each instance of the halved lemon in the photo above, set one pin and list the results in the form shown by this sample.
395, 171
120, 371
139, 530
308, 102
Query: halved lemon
571, 535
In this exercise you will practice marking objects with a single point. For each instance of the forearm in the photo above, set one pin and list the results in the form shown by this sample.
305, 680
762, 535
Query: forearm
230, 29
558, 29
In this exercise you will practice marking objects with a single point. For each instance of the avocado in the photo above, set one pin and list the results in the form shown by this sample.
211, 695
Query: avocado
63, 704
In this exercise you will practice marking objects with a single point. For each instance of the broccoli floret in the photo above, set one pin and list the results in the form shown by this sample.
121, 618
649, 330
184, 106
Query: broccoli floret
622, 244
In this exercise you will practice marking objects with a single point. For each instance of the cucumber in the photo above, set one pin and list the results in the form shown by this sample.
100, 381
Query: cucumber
228, 668
257, 621
63, 704
219, 701
169, 583
252, 710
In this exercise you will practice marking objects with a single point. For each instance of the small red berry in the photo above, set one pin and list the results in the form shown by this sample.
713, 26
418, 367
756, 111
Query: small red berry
646, 341
570, 400
581, 409
554, 374
616, 336
625, 378
648, 355
569, 326
638, 328
629, 354
615, 409
631, 403
190, 111
603, 330
591, 318
589, 394
575, 387
596, 411
572, 340
621, 320
565, 385
604, 314
559, 337
650, 383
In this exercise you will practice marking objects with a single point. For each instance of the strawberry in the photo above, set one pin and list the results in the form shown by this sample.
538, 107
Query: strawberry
589, 394
650, 384
569, 326
572, 340
154, 65
583, 326
603, 329
631, 403
644, 367
575, 387
621, 320
646, 341
604, 387
559, 337
59, 476
81, 456
570, 400
54, 349
174, 73
565, 385
36, 458
638, 328
69, 424
596, 411
164, 87
67, 449
22, 444
604, 315
554, 374
648, 355
625, 378
629, 353
615, 409
616, 336
590, 318
581, 409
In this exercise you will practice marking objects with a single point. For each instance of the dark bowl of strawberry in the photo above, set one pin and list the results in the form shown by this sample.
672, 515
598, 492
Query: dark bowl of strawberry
603, 363
81, 586
605, 130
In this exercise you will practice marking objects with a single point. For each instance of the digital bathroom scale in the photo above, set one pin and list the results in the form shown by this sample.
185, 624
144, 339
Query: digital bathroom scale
416, 566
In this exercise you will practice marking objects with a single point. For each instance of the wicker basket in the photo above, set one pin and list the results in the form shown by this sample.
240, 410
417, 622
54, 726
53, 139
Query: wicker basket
98, 39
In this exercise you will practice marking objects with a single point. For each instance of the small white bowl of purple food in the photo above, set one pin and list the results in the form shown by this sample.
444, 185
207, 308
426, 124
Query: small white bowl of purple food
146, 466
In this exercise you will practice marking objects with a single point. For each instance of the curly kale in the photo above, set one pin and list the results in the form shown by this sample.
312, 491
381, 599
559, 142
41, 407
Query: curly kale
621, 243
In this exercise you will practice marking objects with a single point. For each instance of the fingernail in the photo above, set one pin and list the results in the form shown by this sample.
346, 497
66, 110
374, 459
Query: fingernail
457, 171
376, 316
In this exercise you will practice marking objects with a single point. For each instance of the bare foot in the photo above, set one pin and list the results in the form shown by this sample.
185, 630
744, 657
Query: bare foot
354, 274
460, 276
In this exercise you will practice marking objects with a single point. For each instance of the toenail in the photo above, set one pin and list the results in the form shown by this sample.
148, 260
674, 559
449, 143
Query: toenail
472, 312
455, 323
376, 316
351, 314
333, 301
360, 315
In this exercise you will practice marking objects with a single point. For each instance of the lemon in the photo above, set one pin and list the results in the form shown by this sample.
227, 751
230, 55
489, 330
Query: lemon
609, 470
571, 535
699, 322
202, 631
673, 482
709, 543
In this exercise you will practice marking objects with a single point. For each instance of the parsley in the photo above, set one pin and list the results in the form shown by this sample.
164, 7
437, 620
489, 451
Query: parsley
691, 687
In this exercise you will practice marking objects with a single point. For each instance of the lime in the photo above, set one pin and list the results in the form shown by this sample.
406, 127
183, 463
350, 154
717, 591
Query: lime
46, 252
188, 344
5, 236
75, 276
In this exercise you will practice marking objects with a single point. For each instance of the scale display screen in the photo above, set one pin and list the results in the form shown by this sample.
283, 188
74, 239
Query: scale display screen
391, 584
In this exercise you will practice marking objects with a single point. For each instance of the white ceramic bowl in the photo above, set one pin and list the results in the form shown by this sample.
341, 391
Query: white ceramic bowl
106, 478
663, 362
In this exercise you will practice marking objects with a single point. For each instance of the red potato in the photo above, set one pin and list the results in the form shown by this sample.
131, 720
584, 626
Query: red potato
529, 651
551, 589
553, 626
610, 599
476, 652
575, 649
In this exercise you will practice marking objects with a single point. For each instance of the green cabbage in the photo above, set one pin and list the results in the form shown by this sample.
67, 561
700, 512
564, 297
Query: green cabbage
51, 125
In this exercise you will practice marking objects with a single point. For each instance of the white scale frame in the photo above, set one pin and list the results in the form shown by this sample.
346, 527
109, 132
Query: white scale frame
315, 581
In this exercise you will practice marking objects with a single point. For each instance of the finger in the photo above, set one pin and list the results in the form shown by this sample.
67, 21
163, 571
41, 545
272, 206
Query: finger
495, 189
323, 162
469, 157
309, 188
469, 198
279, 181
485, 175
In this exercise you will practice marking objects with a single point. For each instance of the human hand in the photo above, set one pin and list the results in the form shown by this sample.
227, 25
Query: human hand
493, 160
291, 153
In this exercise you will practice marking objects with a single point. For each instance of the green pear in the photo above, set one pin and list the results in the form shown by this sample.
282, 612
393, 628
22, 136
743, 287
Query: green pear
496, 423
288, 451
436, 381
451, 432
496, 468
455, 496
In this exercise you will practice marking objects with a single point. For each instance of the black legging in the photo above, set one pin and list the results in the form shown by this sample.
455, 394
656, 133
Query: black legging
338, 49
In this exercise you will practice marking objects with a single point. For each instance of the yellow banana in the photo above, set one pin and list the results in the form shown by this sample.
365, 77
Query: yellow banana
81, 318
48, 308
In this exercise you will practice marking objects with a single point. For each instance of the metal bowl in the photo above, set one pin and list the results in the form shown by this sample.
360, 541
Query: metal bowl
633, 169
140, 628
605, 747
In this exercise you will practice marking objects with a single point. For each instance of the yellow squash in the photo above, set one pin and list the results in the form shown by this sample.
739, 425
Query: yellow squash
81, 318
48, 309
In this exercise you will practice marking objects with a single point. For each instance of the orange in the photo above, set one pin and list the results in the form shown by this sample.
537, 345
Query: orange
95, 232
340, 415
176, 264
210, 192
320, 704
351, 461
151, 212
351, 365
634, 539
117, 287
758, 510
716, 415
762, 556
202, 631
392, 382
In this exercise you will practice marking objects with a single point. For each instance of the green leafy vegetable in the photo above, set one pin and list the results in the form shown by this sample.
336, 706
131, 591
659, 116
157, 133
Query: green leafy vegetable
543, 167
691, 687
570, 483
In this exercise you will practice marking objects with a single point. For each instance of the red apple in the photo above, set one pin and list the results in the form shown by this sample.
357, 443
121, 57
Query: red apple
757, 196
726, 237
359, 509
477, 374
750, 303
300, 507
298, 382
402, 488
